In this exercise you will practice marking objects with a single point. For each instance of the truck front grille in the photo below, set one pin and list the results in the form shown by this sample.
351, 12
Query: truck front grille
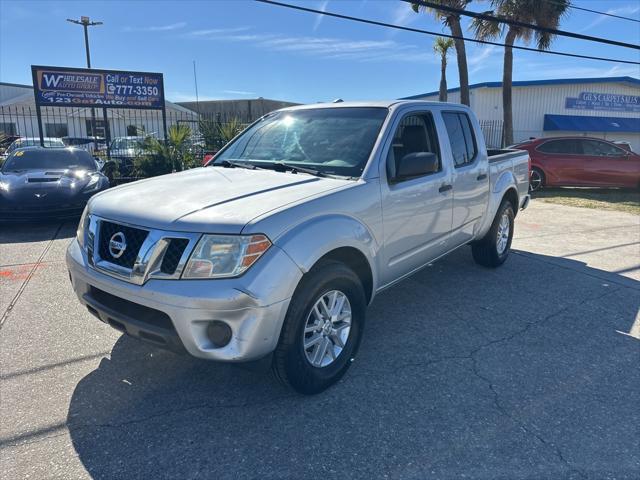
173, 255
133, 237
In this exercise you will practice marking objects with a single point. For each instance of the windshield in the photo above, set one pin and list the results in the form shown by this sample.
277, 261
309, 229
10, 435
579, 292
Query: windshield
55, 159
334, 141
126, 143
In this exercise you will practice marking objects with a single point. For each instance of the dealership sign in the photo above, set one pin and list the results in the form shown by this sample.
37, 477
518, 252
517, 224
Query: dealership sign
604, 101
82, 87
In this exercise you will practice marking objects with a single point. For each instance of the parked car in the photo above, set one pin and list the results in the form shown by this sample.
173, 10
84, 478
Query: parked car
277, 246
22, 142
123, 150
581, 162
624, 144
86, 143
38, 183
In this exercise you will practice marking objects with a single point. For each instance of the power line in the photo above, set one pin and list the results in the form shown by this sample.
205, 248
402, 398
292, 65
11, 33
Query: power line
516, 23
596, 11
439, 34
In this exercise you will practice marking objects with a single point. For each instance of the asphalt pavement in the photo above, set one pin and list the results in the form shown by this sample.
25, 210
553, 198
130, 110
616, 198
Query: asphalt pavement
528, 371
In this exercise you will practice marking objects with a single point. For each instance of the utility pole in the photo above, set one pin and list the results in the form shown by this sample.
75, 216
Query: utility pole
86, 23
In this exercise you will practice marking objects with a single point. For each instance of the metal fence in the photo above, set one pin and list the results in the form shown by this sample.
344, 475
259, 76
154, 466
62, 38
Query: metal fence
493, 132
70, 122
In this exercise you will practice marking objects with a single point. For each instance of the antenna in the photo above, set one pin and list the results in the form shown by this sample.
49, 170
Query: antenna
195, 81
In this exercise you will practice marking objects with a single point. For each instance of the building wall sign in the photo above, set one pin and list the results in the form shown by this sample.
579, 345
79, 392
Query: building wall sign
604, 101
83, 87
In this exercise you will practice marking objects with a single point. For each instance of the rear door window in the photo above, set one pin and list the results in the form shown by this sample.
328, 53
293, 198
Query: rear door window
566, 147
461, 138
600, 149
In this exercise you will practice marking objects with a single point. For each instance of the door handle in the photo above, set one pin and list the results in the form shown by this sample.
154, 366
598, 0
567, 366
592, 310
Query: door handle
445, 188
482, 176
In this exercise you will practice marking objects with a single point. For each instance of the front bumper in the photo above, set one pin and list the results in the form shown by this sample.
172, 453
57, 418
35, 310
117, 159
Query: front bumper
174, 314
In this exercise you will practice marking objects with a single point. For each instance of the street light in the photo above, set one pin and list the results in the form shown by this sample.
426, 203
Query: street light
86, 23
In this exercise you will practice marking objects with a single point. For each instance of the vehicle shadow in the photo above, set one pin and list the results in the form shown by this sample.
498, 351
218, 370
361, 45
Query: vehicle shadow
37, 231
462, 371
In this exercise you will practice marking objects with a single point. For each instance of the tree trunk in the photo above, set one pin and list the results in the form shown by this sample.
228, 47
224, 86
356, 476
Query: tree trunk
461, 54
443, 79
507, 86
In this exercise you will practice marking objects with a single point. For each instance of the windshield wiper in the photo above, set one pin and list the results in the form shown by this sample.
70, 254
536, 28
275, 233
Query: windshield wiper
232, 164
296, 169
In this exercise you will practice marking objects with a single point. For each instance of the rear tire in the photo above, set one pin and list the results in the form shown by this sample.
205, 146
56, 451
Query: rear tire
493, 250
298, 362
536, 179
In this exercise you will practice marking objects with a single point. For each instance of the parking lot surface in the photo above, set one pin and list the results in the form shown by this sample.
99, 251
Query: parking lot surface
528, 371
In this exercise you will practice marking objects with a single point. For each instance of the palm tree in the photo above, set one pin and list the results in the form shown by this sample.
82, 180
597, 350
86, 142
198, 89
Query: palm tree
543, 14
452, 21
441, 46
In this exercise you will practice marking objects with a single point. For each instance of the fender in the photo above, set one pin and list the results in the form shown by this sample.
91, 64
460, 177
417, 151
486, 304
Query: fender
310, 240
505, 181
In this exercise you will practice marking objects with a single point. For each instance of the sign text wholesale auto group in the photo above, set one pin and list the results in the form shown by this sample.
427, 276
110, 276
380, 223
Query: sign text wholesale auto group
81, 87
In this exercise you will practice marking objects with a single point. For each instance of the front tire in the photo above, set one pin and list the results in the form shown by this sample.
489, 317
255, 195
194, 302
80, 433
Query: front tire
322, 329
493, 250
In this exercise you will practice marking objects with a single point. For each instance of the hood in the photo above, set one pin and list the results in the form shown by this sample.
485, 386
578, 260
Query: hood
208, 199
42, 186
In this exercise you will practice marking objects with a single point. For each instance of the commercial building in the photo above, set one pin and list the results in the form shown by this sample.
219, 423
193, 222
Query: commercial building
245, 110
607, 107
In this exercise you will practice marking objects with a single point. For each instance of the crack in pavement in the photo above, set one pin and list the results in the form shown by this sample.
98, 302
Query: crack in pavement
496, 396
26, 281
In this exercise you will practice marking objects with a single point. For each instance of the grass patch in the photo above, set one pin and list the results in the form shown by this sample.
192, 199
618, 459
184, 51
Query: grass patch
600, 198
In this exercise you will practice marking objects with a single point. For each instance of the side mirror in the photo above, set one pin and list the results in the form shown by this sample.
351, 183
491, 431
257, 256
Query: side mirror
417, 164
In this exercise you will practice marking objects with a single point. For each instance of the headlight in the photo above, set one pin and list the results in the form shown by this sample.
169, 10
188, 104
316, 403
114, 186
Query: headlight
4, 186
82, 227
225, 255
93, 183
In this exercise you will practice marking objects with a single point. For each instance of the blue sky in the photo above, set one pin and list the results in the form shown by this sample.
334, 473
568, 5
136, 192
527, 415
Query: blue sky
245, 49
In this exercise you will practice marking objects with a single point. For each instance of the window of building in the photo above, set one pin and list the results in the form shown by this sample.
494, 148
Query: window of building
135, 130
461, 138
415, 133
101, 131
7, 128
56, 130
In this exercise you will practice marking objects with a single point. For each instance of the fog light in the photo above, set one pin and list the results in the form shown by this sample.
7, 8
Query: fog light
219, 333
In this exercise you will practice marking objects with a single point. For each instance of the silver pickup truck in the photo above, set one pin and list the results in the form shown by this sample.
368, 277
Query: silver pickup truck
275, 248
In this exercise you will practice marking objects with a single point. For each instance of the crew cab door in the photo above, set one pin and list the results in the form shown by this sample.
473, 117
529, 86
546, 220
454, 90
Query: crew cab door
416, 210
470, 177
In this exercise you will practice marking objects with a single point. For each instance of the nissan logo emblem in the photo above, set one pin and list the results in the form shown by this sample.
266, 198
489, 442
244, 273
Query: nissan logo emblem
117, 244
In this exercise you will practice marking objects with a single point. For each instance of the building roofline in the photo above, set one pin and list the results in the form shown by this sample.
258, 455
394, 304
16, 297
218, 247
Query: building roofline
21, 85
528, 83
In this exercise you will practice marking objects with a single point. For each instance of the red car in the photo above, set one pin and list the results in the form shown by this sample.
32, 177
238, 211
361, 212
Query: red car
581, 162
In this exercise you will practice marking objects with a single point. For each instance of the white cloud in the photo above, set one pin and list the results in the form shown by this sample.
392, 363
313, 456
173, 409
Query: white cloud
157, 28
216, 31
628, 10
320, 17
334, 48
239, 92
484, 58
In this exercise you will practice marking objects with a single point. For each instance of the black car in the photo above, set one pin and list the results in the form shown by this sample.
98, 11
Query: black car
40, 183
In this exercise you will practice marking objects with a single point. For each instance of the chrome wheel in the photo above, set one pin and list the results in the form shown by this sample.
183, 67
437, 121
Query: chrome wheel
503, 234
535, 180
327, 328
